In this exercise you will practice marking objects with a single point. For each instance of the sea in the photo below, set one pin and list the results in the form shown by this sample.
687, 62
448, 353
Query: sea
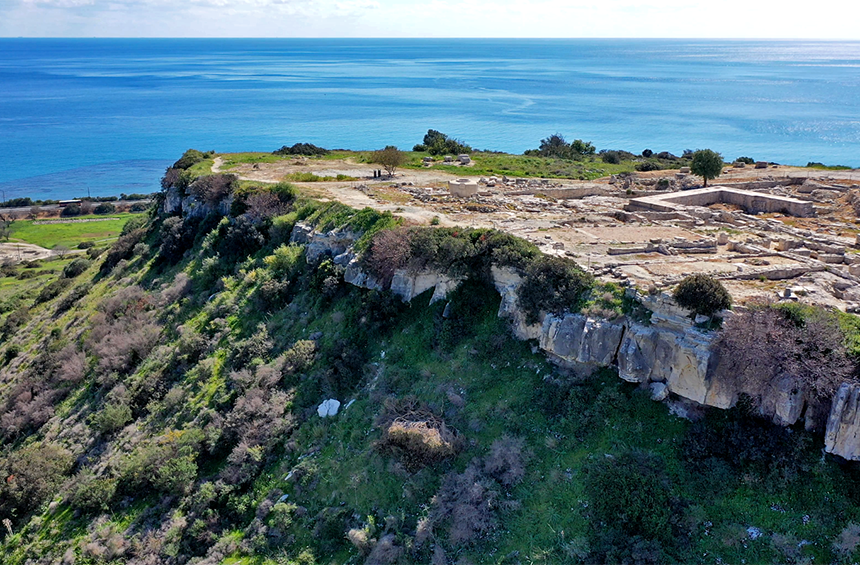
107, 116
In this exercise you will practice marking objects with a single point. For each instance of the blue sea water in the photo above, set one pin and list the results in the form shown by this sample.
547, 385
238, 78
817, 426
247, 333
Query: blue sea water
106, 116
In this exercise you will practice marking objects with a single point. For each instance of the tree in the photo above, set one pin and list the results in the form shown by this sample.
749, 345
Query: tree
707, 164
390, 158
703, 294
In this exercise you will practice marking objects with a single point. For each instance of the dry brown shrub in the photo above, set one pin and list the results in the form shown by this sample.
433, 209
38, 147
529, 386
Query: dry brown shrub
848, 540
385, 552
390, 250
417, 435
506, 461
758, 349
468, 502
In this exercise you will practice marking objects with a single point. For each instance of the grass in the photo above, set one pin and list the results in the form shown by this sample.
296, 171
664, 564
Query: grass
71, 234
483, 164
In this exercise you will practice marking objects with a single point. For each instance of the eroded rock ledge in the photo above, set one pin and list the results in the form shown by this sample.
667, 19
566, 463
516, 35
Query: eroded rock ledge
669, 354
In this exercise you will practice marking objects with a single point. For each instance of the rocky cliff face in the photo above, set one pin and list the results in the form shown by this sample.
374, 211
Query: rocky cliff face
669, 354
842, 436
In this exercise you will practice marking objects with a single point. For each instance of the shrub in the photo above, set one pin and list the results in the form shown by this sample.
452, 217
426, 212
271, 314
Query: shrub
284, 260
112, 418
104, 208
760, 348
52, 290
703, 294
415, 434
212, 189
32, 474
630, 493
745, 160
306, 149
71, 210
76, 267
610, 157
553, 284
122, 249
91, 493
506, 460
645, 166
86, 244
189, 159
469, 502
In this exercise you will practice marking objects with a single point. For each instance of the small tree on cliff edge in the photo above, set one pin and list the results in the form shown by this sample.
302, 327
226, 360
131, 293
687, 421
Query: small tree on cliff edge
703, 294
390, 158
707, 164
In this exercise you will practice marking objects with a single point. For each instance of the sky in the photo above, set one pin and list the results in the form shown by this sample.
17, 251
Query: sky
824, 19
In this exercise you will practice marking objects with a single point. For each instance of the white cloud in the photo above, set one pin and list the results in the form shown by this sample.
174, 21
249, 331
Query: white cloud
435, 18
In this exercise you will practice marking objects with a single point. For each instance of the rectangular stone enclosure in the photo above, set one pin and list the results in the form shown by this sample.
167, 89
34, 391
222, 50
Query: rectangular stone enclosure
751, 202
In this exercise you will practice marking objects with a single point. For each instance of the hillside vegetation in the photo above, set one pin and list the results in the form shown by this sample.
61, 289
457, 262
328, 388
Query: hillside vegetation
159, 404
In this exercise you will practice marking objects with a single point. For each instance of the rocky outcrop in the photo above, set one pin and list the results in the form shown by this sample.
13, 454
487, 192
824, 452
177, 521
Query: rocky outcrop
842, 436
354, 275
192, 207
577, 340
669, 355
507, 281
333, 243
408, 285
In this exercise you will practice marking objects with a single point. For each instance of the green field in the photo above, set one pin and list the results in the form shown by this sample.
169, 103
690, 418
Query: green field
70, 234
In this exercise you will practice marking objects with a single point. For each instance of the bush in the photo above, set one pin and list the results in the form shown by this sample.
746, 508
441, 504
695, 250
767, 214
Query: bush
189, 159
645, 166
437, 143
91, 493
122, 249
703, 294
415, 434
104, 208
759, 348
630, 493
31, 475
306, 149
553, 284
76, 267
86, 244
745, 160
610, 157
112, 418
52, 290
71, 211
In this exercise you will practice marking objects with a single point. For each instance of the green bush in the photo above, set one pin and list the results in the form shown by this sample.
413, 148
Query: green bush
703, 294
86, 244
104, 208
645, 166
52, 290
112, 418
76, 267
71, 210
630, 492
553, 284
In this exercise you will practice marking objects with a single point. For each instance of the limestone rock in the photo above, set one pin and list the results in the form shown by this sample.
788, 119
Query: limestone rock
328, 408
842, 436
576, 339
408, 285
507, 281
356, 276
659, 391
784, 403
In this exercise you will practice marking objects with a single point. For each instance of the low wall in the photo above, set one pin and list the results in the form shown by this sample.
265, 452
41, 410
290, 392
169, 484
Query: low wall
753, 202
